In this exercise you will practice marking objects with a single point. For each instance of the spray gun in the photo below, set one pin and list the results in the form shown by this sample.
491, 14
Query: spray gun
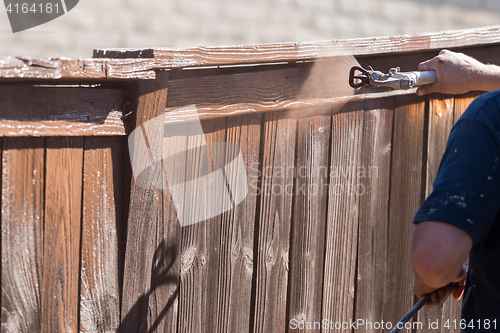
394, 79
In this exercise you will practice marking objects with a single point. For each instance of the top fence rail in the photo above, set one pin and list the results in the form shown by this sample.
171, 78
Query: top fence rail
139, 64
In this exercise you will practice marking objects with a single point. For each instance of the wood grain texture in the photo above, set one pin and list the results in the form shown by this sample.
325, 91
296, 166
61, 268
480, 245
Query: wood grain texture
163, 295
238, 229
462, 102
101, 221
62, 228
258, 86
441, 119
166, 270
405, 199
372, 279
30, 111
202, 245
241, 109
145, 215
307, 241
22, 69
234, 92
274, 219
22, 234
300, 51
343, 210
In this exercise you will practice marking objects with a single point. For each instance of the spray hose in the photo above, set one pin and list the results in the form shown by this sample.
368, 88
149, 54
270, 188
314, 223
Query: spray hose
401, 324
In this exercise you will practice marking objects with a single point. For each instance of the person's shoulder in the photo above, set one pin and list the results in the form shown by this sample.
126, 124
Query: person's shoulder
482, 113
484, 107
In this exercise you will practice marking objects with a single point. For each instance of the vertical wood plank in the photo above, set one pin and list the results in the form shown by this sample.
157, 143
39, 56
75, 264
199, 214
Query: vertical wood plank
307, 247
163, 295
405, 199
62, 227
22, 233
201, 242
165, 272
145, 215
376, 151
274, 209
463, 101
102, 214
238, 229
343, 201
441, 115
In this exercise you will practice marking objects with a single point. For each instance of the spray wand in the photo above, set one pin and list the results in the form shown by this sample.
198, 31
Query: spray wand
394, 79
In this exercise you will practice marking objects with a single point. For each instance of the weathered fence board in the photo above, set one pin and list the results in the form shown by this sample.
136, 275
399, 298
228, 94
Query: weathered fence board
291, 52
101, 219
372, 277
23, 171
462, 102
307, 241
259, 88
63, 70
274, 219
236, 265
166, 269
201, 247
62, 232
47, 111
405, 199
342, 220
145, 214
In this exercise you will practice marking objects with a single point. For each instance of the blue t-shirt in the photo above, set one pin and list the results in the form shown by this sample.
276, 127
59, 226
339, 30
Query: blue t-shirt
467, 194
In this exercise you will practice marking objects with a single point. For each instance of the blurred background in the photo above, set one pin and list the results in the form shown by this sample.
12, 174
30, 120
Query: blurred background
177, 23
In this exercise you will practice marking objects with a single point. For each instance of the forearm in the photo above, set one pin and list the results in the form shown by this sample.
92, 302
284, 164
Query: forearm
438, 251
433, 279
488, 79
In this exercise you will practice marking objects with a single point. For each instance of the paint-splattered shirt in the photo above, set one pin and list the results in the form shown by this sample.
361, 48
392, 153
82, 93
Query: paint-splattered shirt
467, 194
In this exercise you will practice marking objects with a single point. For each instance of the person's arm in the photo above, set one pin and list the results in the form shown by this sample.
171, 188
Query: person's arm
438, 251
458, 73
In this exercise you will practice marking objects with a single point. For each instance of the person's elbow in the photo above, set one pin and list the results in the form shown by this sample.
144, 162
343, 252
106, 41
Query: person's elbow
435, 268
438, 252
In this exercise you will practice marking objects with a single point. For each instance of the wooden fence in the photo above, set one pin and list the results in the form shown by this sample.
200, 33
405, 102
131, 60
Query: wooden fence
84, 248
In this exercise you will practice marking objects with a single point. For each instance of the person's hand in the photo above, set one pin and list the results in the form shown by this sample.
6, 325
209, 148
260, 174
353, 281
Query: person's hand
438, 296
457, 73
